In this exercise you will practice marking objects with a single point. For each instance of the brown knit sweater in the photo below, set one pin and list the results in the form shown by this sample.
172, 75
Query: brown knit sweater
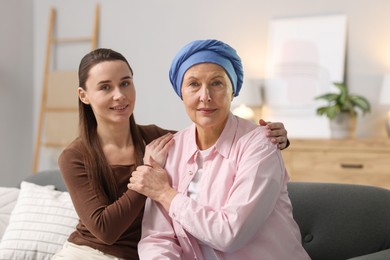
113, 228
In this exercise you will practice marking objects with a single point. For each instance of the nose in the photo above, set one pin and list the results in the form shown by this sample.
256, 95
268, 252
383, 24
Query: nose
205, 94
118, 94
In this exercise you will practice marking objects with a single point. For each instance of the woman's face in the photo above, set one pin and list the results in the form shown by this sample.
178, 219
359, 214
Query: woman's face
110, 92
207, 94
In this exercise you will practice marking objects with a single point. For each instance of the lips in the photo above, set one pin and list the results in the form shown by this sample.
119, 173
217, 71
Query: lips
119, 108
206, 109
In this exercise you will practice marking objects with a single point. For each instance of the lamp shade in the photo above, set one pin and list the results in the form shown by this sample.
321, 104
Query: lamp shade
250, 94
384, 98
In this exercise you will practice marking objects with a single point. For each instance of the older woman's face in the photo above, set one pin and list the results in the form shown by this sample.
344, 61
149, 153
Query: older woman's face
207, 94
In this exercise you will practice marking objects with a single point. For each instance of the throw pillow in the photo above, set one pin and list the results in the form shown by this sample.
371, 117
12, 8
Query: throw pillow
40, 223
8, 197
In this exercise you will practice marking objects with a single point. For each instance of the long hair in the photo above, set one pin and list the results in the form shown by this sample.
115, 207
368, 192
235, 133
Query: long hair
97, 167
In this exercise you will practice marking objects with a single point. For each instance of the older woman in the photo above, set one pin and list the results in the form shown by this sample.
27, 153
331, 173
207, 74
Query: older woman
228, 196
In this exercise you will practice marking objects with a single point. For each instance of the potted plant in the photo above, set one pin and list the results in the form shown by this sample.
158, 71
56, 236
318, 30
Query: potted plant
342, 110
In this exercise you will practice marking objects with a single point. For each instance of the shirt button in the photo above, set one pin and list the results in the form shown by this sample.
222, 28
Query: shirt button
190, 172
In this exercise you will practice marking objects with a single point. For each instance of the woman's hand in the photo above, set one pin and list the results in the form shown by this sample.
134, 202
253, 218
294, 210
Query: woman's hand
152, 181
158, 149
277, 133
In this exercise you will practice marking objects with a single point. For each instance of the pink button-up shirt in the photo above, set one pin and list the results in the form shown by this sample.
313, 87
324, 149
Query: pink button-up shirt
243, 210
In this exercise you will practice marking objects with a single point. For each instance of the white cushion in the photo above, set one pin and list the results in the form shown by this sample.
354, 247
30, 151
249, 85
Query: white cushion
8, 197
40, 223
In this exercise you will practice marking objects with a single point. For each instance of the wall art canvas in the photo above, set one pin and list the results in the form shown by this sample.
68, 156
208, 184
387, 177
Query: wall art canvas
305, 55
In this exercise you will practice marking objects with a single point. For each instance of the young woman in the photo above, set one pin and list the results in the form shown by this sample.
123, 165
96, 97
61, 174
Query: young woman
96, 167
228, 195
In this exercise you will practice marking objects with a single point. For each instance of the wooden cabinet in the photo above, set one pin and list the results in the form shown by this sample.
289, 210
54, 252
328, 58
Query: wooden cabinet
358, 161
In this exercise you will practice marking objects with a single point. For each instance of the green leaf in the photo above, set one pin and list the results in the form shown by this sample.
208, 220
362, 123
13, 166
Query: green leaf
362, 103
329, 111
342, 101
328, 97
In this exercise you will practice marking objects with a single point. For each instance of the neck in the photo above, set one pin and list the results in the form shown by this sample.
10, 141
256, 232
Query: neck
115, 135
207, 137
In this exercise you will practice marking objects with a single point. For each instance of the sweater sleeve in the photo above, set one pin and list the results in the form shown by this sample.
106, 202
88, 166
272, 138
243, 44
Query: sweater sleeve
105, 220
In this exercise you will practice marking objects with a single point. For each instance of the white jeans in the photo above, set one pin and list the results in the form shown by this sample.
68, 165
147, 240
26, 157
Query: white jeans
75, 252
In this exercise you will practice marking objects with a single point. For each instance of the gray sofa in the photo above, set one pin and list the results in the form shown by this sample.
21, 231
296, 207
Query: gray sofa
341, 221
337, 221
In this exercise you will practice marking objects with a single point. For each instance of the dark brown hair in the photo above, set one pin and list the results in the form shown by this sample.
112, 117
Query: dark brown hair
97, 167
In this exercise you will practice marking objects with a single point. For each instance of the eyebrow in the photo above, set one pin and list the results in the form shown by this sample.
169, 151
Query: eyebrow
108, 81
213, 77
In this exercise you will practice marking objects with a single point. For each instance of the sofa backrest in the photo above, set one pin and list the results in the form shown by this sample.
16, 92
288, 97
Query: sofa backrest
48, 177
337, 221
341, 221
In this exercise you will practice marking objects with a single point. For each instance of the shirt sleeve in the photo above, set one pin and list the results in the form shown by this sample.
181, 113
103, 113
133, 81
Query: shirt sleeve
251, 199
158, 243
106, 221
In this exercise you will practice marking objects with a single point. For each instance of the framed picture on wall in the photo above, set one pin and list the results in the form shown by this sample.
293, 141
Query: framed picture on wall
304, 56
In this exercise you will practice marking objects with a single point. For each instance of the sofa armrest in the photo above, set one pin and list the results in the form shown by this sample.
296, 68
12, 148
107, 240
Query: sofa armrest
381, 255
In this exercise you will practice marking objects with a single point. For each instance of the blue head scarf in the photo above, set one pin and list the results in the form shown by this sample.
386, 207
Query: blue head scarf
201, 51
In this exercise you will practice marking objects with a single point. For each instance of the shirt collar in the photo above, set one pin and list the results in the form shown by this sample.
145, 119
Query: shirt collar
225, 141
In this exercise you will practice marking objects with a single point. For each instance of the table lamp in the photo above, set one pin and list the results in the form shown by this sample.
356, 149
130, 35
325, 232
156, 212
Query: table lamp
250, 98
384, 99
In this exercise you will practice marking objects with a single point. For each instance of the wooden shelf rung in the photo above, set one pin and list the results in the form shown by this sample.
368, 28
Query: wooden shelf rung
72, 39
61, 109
54, 145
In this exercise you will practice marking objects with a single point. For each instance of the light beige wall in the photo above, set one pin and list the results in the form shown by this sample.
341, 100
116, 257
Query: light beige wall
16, 90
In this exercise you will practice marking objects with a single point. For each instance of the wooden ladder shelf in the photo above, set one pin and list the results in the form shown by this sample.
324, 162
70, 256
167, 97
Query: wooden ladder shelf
58, 112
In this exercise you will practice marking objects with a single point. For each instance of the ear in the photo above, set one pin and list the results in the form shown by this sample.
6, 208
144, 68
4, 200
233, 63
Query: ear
82, 95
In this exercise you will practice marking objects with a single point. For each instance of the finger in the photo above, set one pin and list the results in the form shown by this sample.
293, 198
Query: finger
132, 180
275, 125
262, 122
161, 139
276, 133
165, 141
283, 143
133, 187
167, 146
165, 138
282, 146
280, 139
131, 183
